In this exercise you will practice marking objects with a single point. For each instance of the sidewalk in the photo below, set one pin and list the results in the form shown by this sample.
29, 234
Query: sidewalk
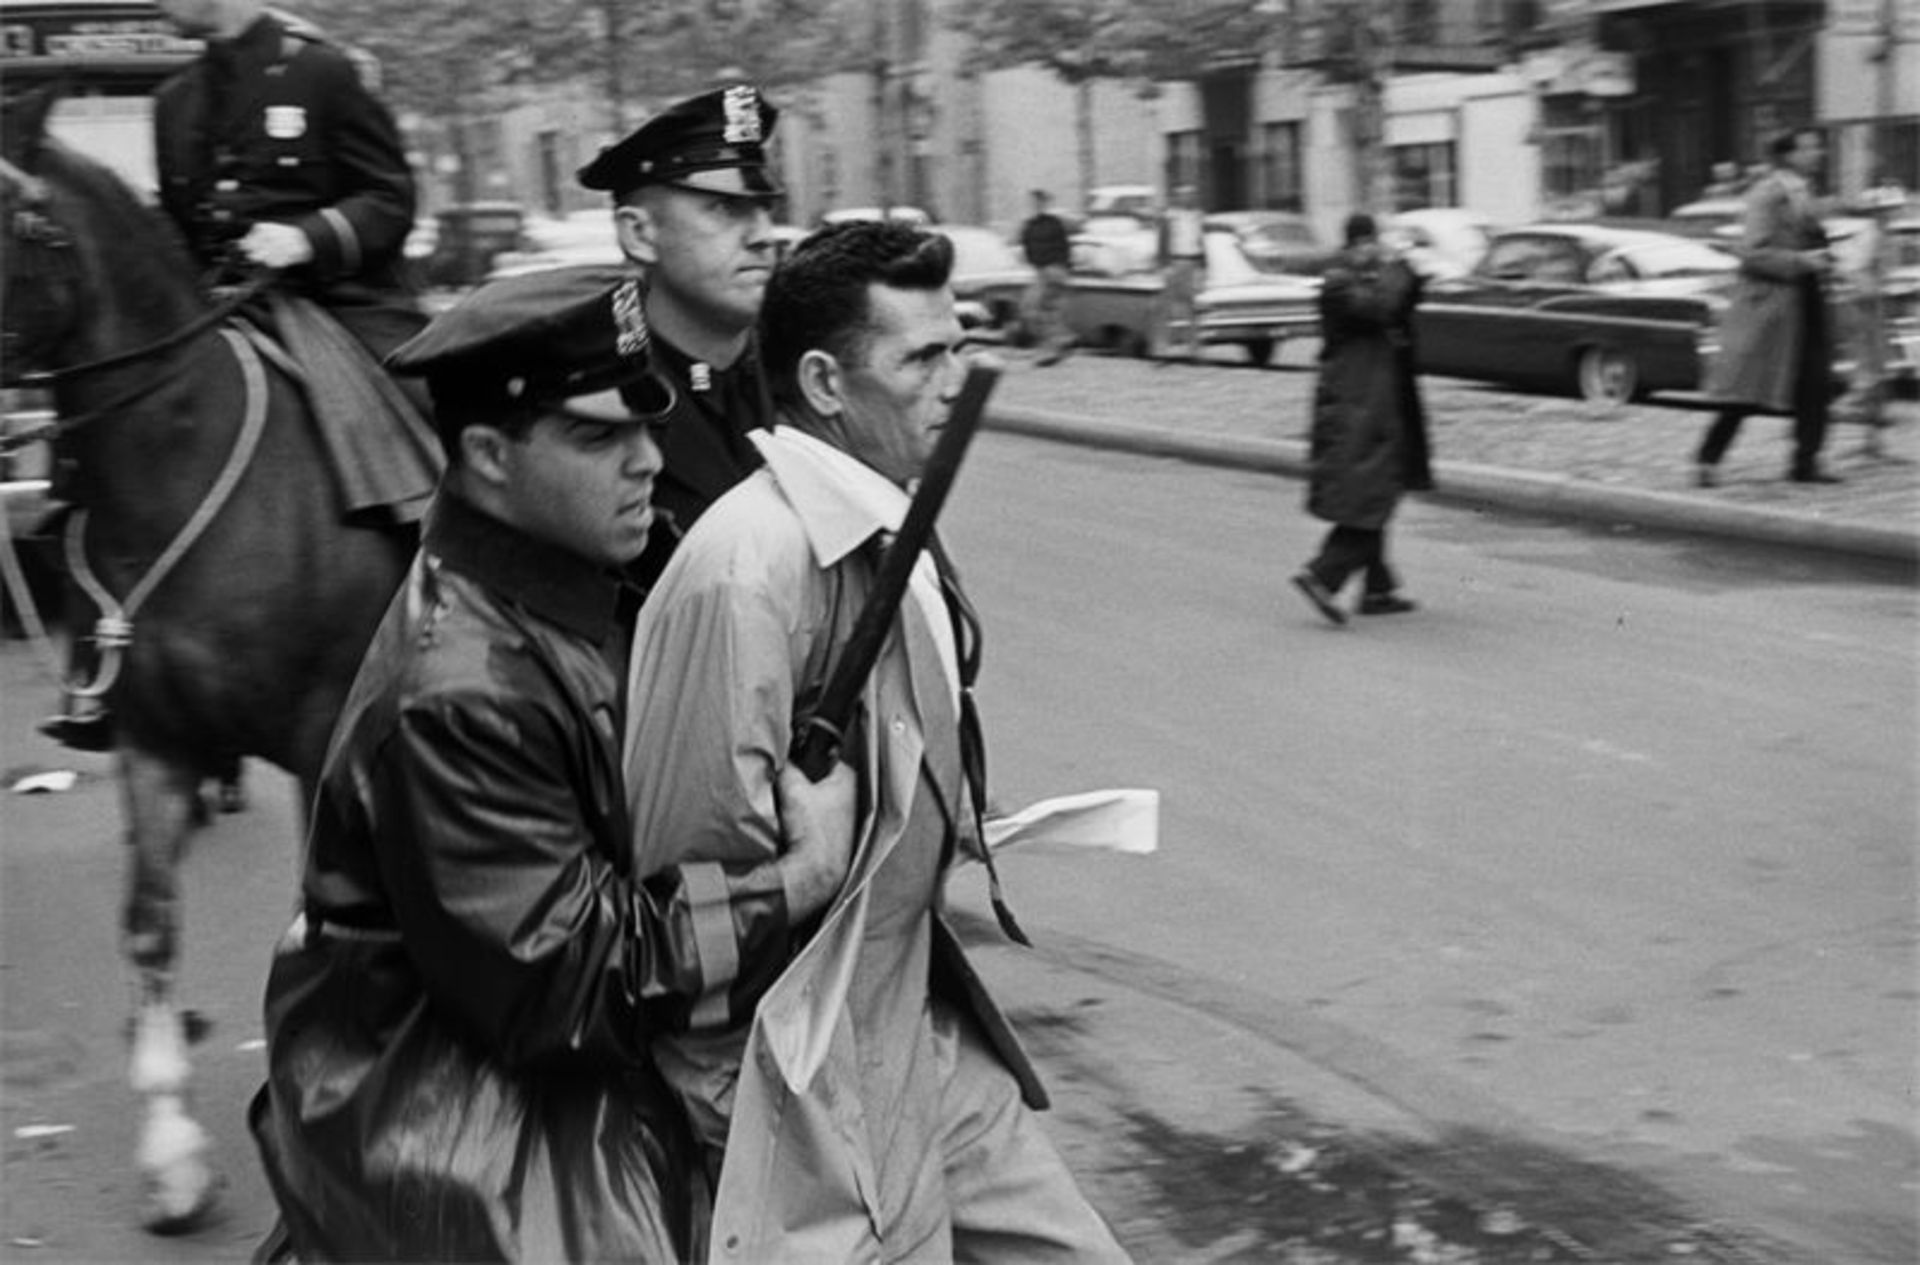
1531, 453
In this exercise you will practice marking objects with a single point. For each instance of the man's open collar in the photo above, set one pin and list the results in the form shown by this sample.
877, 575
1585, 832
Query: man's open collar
554, 583
841, 502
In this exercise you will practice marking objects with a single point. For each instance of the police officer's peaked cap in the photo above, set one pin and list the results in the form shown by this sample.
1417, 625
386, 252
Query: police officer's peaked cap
714, 142
563, 340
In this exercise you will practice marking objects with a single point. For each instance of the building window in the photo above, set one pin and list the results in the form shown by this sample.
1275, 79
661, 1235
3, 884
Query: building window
1184, 160
1424, 175
1899, 152
1280, 183
1572, 156
1419, 22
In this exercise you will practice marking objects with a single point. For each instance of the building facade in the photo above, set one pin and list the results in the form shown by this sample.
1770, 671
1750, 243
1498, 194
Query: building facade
1516, 109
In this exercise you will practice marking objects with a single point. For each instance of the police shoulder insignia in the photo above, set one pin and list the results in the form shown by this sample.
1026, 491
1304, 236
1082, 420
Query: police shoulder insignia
742, 104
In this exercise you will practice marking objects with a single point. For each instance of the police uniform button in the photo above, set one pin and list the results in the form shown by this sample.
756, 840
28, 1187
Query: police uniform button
227, 186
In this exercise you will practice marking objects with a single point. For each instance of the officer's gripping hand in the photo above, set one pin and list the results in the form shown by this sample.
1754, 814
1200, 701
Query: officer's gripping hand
276, 246
817, 820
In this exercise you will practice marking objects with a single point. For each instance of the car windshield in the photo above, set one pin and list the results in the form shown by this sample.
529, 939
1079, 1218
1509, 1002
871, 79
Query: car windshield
1676, 259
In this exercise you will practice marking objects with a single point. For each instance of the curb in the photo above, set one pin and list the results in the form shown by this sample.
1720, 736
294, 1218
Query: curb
1560, 496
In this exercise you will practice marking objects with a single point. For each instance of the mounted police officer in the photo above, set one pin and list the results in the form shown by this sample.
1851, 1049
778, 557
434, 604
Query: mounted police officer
273, 152
693, 200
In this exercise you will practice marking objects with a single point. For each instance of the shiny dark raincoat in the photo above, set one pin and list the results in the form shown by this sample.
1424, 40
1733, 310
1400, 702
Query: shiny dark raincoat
458, 1023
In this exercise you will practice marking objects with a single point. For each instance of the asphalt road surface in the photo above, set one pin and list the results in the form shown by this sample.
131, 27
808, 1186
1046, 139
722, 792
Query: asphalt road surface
1610, 845
1617, 833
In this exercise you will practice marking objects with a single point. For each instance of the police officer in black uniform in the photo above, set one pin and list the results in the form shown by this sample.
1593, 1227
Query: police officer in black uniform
273, 152
693, 199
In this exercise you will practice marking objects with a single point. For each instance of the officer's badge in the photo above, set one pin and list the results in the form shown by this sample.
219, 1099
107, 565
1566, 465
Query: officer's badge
629, 323
286, 122
742, 105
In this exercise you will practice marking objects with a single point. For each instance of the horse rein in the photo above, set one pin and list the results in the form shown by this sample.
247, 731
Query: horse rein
113, 631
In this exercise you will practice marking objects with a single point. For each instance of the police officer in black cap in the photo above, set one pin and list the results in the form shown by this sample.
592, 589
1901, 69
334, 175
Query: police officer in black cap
459, 1021
272, 151
693, 197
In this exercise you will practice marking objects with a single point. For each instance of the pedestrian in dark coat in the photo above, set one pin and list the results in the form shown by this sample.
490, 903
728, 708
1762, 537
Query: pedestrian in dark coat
273, 151
1044, 241
1776, 351
1369, 441
459, 1020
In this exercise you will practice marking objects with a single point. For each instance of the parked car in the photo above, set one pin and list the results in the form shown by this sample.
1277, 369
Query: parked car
990, 278
1611, 314
1900, 291
1276, 241
1720, 220
578, 237
1139, 202
1113, 299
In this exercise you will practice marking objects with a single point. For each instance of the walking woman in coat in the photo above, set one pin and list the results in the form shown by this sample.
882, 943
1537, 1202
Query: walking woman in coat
1776, 353
1369, 441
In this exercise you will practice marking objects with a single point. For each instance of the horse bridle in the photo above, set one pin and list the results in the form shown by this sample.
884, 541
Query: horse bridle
36, 235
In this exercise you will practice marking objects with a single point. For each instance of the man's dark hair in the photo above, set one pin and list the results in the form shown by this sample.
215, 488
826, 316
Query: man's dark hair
818, 298
1360, 227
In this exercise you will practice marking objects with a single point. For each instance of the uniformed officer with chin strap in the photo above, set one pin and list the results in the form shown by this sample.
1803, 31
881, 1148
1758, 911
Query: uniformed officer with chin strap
693, 199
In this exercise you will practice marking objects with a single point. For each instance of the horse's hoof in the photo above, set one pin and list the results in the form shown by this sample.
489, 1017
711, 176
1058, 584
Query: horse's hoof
182, 1186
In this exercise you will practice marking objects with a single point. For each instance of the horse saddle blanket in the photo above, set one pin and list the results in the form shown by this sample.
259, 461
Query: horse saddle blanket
383, 455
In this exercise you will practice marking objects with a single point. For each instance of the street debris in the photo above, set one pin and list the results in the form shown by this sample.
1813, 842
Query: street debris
45, 782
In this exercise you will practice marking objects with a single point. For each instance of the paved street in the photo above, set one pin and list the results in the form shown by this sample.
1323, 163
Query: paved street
1608, 849
1569, 918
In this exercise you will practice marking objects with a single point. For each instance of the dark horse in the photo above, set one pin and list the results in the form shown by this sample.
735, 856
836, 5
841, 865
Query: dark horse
209, 520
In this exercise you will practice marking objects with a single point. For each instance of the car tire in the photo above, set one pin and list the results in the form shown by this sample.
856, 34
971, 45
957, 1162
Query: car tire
1607, 375
1259, 351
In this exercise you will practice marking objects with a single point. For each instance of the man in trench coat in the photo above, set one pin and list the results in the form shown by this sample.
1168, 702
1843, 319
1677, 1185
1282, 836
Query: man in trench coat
1776, 352
874, 1104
